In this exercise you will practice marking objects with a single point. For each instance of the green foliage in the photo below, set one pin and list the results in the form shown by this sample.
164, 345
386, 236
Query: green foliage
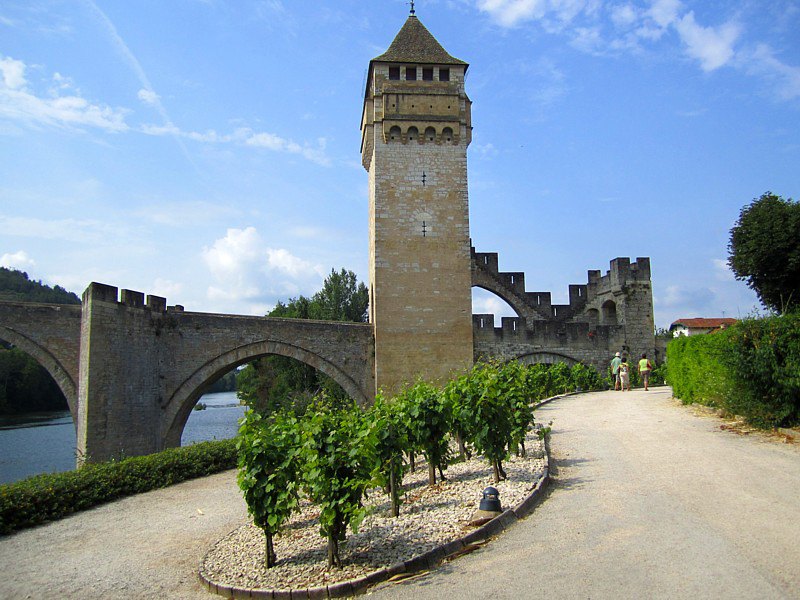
390, 437
427, 416
275, 383
763, 359
696, 369
338, 460
486, 409
764, 250
268, 472
751, 369
26, 386
585, 378
16, 287
46, 498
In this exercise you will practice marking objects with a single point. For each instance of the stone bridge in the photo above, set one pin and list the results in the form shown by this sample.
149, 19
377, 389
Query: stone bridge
133, 369
610, 313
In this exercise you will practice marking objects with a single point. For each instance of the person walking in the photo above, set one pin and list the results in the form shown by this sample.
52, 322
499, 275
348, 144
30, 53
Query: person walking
624, 374
644, 370
615, 362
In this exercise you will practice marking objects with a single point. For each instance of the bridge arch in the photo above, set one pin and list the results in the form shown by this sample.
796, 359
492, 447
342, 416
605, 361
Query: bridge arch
180, 404
498, 291
51, 364
546, 358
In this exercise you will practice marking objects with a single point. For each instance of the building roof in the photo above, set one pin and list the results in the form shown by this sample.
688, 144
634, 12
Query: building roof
703, 322
415, 44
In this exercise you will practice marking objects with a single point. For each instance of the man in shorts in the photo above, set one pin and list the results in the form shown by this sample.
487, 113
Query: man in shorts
615, 363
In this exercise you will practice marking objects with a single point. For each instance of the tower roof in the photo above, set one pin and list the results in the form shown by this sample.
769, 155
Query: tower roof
415, 44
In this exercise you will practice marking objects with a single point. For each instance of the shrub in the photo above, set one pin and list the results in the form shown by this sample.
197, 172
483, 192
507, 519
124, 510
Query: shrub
44, 498
268, 472
763, 359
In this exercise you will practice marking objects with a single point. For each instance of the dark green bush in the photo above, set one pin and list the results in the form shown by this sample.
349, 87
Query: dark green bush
751, 370
46, 498
763, 359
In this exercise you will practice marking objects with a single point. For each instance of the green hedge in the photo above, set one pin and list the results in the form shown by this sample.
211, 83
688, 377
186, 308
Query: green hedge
751, 370
46, 498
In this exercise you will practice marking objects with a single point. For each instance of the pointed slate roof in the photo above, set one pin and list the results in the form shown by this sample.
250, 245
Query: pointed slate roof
415, 44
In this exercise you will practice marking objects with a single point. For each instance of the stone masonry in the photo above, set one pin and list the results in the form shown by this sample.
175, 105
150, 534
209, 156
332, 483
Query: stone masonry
416, 127
144, 365
133, 368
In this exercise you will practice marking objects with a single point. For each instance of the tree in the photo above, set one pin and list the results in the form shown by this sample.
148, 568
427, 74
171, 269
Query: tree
275, 383
764, 250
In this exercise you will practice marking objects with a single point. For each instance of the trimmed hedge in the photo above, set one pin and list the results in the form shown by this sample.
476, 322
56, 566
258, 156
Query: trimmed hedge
44, 498
751, 369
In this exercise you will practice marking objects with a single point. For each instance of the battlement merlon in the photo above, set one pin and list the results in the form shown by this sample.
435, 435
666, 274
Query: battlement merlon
100, 292
621, 273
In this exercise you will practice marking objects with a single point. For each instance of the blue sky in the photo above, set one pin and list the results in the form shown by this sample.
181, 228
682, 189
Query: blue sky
208, 151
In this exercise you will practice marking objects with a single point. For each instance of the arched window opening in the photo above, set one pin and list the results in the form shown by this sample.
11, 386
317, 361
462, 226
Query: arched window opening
394, 134
593, 316
609, 309
447, 135
430, 134
413, 134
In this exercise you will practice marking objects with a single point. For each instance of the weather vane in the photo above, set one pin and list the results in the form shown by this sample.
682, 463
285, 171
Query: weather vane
412, 6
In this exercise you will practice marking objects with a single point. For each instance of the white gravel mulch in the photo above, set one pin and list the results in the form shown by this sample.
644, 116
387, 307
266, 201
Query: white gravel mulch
429, 517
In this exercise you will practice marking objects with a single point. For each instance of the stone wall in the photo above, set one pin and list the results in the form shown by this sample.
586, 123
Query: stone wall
50, 333
415, 140
612, 312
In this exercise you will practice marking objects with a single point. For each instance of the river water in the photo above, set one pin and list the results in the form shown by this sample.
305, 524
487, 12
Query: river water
45, 442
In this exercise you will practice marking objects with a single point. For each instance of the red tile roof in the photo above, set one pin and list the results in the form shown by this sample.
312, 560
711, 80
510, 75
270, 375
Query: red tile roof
702, 322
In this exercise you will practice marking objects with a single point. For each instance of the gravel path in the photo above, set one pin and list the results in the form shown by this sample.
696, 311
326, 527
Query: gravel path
650, 500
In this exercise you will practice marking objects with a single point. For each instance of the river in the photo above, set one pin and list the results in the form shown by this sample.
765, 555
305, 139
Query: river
45, 442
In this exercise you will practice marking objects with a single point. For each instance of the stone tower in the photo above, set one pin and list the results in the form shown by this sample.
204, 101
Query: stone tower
415, 129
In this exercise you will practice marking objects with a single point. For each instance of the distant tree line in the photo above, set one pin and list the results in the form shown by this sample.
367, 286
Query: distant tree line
25, 386
16, 287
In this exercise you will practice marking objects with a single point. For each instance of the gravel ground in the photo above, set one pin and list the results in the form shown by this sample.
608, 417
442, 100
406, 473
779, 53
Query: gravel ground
430, 516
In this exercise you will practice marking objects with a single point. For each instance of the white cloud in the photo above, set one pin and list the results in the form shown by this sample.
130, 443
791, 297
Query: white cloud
664, 12
509, 13
624, 15
712, 46
763, 61
248, 137
248, 271
19, 103
17, 260
148, 97
13, 73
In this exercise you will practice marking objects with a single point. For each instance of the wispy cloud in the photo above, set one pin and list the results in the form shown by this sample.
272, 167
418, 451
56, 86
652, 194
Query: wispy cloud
628, 26
19, 103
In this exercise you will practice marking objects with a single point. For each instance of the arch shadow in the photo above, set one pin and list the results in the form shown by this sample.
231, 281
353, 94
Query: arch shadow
51, 364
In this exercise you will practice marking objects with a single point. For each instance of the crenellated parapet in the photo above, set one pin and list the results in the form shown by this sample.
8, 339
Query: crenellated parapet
611, 312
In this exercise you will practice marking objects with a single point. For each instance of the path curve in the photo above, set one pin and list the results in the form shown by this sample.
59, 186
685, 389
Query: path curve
649, 500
